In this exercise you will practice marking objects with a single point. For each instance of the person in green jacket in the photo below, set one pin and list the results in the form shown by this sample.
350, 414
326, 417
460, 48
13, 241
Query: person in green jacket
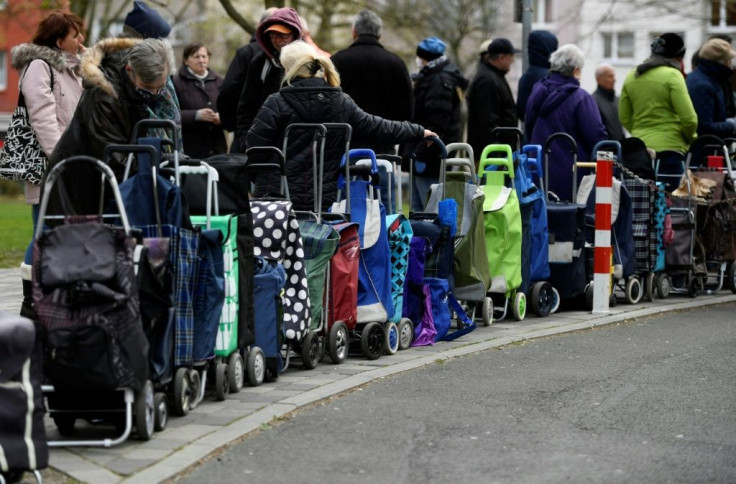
655, 106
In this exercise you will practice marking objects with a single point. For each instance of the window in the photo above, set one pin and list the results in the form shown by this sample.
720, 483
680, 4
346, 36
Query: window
544, 11
3, 70
618, 45
723, 13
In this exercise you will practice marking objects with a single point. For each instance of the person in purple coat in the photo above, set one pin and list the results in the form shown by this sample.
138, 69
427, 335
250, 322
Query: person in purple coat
558, 104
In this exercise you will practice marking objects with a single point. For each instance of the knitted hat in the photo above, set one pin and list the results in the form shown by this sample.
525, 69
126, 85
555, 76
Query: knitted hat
430, 48
669, 45
502, 46
717, 50
146, 22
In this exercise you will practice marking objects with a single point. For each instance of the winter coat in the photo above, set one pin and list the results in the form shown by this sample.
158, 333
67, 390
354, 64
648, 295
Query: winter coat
106, 113
438, 92
378, 81
656, 107
264, 75
490, 105
558, 104
540, 46
50, 108
608, 107
706, 87
201, 139
314, 101
232, 85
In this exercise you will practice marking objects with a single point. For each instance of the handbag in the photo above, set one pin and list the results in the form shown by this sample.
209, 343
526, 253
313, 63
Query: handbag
21, 157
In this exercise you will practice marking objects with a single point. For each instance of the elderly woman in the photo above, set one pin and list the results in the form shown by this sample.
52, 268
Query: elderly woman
558, 104
311, 93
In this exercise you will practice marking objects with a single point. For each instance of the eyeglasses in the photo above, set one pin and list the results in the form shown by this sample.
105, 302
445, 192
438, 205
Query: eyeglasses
279, 35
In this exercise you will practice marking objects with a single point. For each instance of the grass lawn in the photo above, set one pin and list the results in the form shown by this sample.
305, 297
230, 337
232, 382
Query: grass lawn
15, 230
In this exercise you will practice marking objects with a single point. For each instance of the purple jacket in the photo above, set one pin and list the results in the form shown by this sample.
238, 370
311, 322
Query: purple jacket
557, 104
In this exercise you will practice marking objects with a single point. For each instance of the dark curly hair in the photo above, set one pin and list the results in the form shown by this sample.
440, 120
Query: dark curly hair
55, 27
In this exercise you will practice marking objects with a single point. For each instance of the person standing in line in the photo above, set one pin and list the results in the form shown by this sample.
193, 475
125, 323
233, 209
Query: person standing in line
311, 94
656, 107
197, 89
51, 88
376, 79
232, 85
707, 87
490, 101
559, 104
540, 46
439, 90
265, 72
605, 97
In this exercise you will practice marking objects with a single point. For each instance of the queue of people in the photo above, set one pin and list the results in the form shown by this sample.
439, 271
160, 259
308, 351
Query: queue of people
282, 76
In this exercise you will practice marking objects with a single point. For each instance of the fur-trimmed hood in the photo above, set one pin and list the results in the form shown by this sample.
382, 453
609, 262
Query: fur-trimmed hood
91, 67
23, 54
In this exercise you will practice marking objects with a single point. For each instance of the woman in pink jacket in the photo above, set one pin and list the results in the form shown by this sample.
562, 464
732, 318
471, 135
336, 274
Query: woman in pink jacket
51, 88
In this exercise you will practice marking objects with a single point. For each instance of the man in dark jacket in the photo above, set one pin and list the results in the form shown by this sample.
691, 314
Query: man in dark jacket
605, 97
265, 72
232, 85
706, 85
439, 88
540, 46
490, 101
376, 79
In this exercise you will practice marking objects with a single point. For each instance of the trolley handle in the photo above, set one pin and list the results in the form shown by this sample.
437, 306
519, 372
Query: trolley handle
497, 131
267, 166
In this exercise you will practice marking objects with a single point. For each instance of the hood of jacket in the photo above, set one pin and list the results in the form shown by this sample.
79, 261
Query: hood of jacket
103, 61
443, 64
23, 54
541, 45
656, 60
312, 98
555, 89
287, 16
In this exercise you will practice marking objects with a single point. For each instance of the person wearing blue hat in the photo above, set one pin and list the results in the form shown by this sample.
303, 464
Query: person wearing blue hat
490, 101
439, 89
145, 22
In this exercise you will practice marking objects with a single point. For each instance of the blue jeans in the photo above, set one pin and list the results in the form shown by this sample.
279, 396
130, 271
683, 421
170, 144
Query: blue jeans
670, 168
29, 250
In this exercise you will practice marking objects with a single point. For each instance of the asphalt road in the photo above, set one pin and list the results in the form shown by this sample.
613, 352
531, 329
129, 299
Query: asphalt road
640, 402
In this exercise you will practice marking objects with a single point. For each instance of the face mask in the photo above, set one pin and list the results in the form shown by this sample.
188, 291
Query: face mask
147, 96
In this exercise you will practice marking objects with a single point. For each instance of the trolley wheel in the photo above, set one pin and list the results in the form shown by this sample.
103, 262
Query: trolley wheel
555, 300
695, 287
236, 371
145, 409
542, 299
65, 424
310, 350
731, 271
649, 286
222, 381
392, 338
182, 392
195, 384
161, 412
339, 342
487, 311
406, 333
373, 341
519, 306
663, 285
256, 366
633, 290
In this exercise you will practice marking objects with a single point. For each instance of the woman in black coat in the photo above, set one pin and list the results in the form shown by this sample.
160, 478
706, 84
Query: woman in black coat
311, 93
197, 88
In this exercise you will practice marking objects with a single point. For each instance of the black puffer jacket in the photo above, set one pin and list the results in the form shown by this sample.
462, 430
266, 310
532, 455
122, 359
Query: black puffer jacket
314, 101
438, 92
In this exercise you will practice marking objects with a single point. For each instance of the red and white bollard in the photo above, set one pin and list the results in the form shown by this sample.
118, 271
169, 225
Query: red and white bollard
602, 254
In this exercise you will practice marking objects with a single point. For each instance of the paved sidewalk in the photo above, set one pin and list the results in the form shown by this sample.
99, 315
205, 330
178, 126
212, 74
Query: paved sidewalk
216, 424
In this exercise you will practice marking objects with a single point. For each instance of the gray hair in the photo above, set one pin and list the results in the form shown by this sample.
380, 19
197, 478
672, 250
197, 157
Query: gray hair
150, 58
601, 69
566, 59
368, 22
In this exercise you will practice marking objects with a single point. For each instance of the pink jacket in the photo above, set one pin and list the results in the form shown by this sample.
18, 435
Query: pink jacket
50, 109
